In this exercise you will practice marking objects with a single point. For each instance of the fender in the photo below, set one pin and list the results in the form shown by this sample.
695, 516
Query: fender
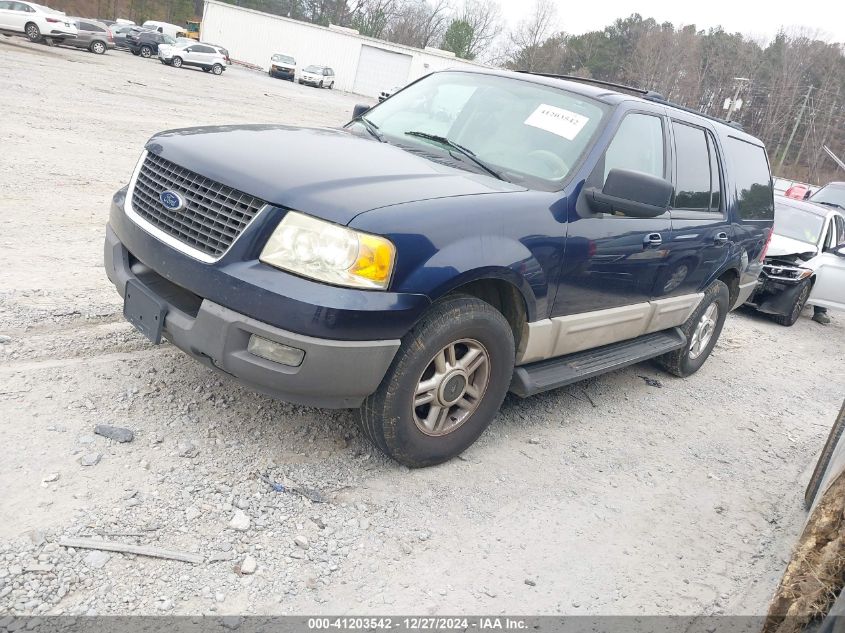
484, 257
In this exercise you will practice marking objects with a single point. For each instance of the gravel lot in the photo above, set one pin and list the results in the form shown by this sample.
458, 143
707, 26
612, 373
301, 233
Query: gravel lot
607, 497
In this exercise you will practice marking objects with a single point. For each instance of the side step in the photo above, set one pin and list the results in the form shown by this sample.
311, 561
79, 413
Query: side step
557, 372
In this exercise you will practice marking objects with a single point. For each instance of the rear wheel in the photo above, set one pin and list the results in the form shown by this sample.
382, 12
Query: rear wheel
206, 69
33, 32
146, 52
217, 69
321, 84
445, 384
797, 307
98, 47
176, 62
702, 330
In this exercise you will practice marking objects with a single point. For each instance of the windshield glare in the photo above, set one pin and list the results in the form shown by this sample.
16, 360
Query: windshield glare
285, 59
834, 194
798, 225
523, 130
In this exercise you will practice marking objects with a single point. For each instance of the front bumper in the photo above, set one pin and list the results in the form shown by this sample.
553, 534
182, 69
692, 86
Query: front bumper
333, 373
286, 73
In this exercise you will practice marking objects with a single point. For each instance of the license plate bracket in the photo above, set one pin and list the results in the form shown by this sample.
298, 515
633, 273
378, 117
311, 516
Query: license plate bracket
144, 310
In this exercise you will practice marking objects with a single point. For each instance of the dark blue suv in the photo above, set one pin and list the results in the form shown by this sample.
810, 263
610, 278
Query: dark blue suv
476, 233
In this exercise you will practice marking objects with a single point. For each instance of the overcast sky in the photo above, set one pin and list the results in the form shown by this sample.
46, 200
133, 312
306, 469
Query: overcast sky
760, 18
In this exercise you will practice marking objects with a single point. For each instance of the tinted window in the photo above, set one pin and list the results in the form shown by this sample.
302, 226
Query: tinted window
692, 168
96, 29
204, 49
85, 26
638, 146
752, 178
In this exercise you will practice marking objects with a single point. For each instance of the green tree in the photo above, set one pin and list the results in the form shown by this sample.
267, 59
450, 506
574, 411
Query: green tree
458, 39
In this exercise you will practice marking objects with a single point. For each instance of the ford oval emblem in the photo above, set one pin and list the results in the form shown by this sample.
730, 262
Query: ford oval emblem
171, 200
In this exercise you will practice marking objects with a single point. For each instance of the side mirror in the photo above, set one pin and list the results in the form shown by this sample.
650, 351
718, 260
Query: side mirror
633, 193
359, 109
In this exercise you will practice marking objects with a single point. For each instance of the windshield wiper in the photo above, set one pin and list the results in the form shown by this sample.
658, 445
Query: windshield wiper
372, 128
829, 204
459, 148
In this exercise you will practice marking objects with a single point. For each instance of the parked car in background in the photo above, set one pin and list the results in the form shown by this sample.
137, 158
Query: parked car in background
120, 31
832, 194
283, 66
173, 30
418, 266
146, 43
194, 55
92, 35
805, 263
797, 192
384, 94
35, 21
319, 76
187, 41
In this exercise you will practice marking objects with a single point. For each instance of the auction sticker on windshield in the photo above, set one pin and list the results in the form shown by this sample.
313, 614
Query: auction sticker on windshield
557, 121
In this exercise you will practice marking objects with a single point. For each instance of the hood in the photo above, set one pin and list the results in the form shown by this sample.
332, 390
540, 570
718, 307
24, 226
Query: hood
780, 246
328, 173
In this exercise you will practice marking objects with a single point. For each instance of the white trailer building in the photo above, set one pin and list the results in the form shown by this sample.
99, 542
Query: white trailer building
363, 65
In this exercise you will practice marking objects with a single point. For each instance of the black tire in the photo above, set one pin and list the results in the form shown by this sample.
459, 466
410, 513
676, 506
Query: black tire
387, 417
33, 33
134, 52
206, 69
97, 47
321, 84
680, 362
217, 69
331, 86
176, 62
146, 52
788, 320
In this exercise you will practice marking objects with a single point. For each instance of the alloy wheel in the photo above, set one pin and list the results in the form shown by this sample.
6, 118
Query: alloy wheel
704, 330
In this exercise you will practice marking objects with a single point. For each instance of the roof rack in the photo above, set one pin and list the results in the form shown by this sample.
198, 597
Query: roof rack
658, 98
599, 82
649, 95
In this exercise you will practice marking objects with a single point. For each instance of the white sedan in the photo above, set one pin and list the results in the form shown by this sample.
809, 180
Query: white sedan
198, 55
35, 21
805, 263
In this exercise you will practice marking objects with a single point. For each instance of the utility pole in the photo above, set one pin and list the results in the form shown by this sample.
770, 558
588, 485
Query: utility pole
735, 98
795, 128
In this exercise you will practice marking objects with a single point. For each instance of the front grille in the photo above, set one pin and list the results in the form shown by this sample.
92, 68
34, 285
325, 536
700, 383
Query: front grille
214, 214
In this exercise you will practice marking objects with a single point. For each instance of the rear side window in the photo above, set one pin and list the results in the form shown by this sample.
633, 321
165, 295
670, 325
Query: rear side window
637, 146
755, 196
692, 168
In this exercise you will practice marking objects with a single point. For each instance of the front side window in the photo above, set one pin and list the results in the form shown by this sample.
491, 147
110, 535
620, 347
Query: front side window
755, 195
637, 146
526, 132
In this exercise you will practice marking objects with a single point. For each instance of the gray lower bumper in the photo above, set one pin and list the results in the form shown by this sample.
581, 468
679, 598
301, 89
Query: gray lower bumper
333, 374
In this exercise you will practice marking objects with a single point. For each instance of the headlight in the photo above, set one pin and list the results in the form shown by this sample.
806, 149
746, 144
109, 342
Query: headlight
329, 252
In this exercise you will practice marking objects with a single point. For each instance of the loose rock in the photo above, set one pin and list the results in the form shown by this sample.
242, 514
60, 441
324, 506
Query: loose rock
116, 433
239, 521
90, 459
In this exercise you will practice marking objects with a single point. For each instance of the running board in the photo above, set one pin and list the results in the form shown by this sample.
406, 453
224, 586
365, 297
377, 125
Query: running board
557, 372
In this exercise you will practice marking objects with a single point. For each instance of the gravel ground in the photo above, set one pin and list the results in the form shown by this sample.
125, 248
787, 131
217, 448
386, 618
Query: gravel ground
612, 496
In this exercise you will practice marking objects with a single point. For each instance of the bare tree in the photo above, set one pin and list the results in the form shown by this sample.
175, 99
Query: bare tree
419, 23
484, 20
529, 35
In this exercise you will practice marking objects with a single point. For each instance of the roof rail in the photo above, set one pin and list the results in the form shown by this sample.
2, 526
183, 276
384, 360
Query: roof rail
657, 98
649, 95
598, 82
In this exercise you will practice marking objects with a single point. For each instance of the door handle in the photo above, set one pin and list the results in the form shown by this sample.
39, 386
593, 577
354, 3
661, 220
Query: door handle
721, 238
652, 239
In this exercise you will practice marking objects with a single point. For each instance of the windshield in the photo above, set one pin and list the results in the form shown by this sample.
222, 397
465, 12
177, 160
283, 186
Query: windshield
314, 69
167, 39
832, 194
526, 132
798, 225
285, 59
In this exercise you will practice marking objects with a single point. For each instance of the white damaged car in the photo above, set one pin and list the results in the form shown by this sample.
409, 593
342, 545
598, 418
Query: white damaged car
805, 263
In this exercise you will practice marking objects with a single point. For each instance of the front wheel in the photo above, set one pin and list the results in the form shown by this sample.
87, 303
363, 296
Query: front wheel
98, 48
33, 32
217, 69
176, 62
702, 330
445, 384
146, 52
789, 320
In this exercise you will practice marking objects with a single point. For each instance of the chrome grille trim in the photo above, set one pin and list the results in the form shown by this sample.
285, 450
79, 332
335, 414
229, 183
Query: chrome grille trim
214, 218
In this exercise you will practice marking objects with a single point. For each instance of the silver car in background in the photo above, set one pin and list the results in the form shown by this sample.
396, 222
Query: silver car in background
204, 56
92, 35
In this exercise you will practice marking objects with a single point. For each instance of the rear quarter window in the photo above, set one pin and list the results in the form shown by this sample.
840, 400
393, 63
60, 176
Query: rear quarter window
752, 179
